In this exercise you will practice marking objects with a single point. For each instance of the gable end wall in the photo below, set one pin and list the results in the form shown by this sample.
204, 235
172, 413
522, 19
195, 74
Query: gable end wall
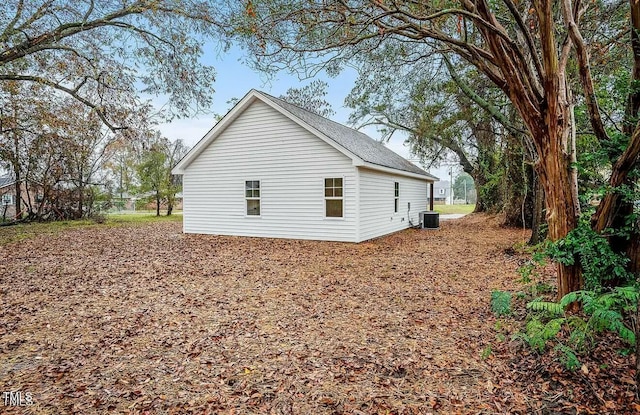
291, 164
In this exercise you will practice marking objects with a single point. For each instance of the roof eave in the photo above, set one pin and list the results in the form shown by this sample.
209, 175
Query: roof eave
385, 169
356, 160
235, 112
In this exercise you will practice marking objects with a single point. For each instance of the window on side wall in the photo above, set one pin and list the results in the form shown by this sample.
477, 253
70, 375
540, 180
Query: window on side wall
252, 196
7, 199
333, 197
396, 198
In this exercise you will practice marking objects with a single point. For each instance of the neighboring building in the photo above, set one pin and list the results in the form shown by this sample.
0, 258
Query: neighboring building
7, 197
272, 169
8, 201
442, 193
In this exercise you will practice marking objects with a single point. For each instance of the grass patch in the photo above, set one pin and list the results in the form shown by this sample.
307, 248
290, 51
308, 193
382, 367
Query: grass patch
445, 209
20, 232
119, 218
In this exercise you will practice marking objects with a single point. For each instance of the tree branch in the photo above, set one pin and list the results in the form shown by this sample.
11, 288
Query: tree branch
585, 70
69, 91
481, 102
527, 35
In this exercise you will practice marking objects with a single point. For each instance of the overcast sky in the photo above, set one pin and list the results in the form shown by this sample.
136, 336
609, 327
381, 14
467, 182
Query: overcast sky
234, 79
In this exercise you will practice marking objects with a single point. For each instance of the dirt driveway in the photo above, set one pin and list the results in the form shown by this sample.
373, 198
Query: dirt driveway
144, 319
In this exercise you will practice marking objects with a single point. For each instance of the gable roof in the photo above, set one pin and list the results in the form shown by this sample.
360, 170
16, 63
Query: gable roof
362, 149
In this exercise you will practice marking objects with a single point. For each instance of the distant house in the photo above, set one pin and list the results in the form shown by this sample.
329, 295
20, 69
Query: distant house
10, 207
272, 169
442, 192
7, 197
8, 200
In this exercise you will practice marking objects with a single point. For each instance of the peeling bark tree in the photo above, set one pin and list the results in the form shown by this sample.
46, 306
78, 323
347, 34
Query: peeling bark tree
527, 60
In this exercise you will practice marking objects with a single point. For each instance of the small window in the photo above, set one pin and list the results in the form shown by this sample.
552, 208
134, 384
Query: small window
7, 199
333, 199
252, 196
396, 198
441, 191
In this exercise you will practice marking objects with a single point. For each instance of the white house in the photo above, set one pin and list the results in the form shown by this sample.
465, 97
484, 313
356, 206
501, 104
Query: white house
272, 169
442, 192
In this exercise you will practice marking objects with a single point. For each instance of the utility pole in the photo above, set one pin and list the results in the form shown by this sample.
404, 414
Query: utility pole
466, 201
451, 183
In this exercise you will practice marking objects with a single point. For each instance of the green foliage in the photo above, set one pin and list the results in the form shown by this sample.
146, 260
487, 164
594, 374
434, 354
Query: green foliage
463, 187
547, 307
491, 192
311, 98
537, 333
154, 172
568, 357
593, 252
501, 303
530, 272
575, 334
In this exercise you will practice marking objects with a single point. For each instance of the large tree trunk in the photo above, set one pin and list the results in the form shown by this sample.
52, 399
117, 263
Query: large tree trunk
157, 204
555, 175
479, 182
549, 122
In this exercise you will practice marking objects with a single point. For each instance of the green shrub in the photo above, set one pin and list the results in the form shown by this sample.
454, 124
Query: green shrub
568, 357
501, 303
574, 334
598, 261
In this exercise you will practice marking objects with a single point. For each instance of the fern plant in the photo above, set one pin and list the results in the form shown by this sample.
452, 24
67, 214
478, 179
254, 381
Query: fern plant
603, 311
501, 303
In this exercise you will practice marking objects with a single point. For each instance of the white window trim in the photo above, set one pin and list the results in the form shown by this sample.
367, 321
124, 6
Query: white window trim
7, 202
246, 199
325, 198
396, 198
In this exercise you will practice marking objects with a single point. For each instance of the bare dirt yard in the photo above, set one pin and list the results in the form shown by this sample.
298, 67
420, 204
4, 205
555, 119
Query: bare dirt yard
144, 319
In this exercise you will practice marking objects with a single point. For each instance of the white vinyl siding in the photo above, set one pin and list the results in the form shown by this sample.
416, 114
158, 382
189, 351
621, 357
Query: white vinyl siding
377, 216
291, 164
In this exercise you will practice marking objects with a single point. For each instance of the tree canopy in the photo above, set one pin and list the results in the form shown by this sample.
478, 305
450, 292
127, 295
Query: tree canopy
104, 54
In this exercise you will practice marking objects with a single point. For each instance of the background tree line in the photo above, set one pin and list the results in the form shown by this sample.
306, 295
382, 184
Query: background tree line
73, 125
67, 164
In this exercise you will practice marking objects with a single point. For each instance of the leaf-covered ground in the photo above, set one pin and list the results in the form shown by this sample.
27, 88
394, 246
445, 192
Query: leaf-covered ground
145, 319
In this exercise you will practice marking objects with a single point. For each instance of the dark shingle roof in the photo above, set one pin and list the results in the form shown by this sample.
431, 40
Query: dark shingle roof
356, 142
6, 180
